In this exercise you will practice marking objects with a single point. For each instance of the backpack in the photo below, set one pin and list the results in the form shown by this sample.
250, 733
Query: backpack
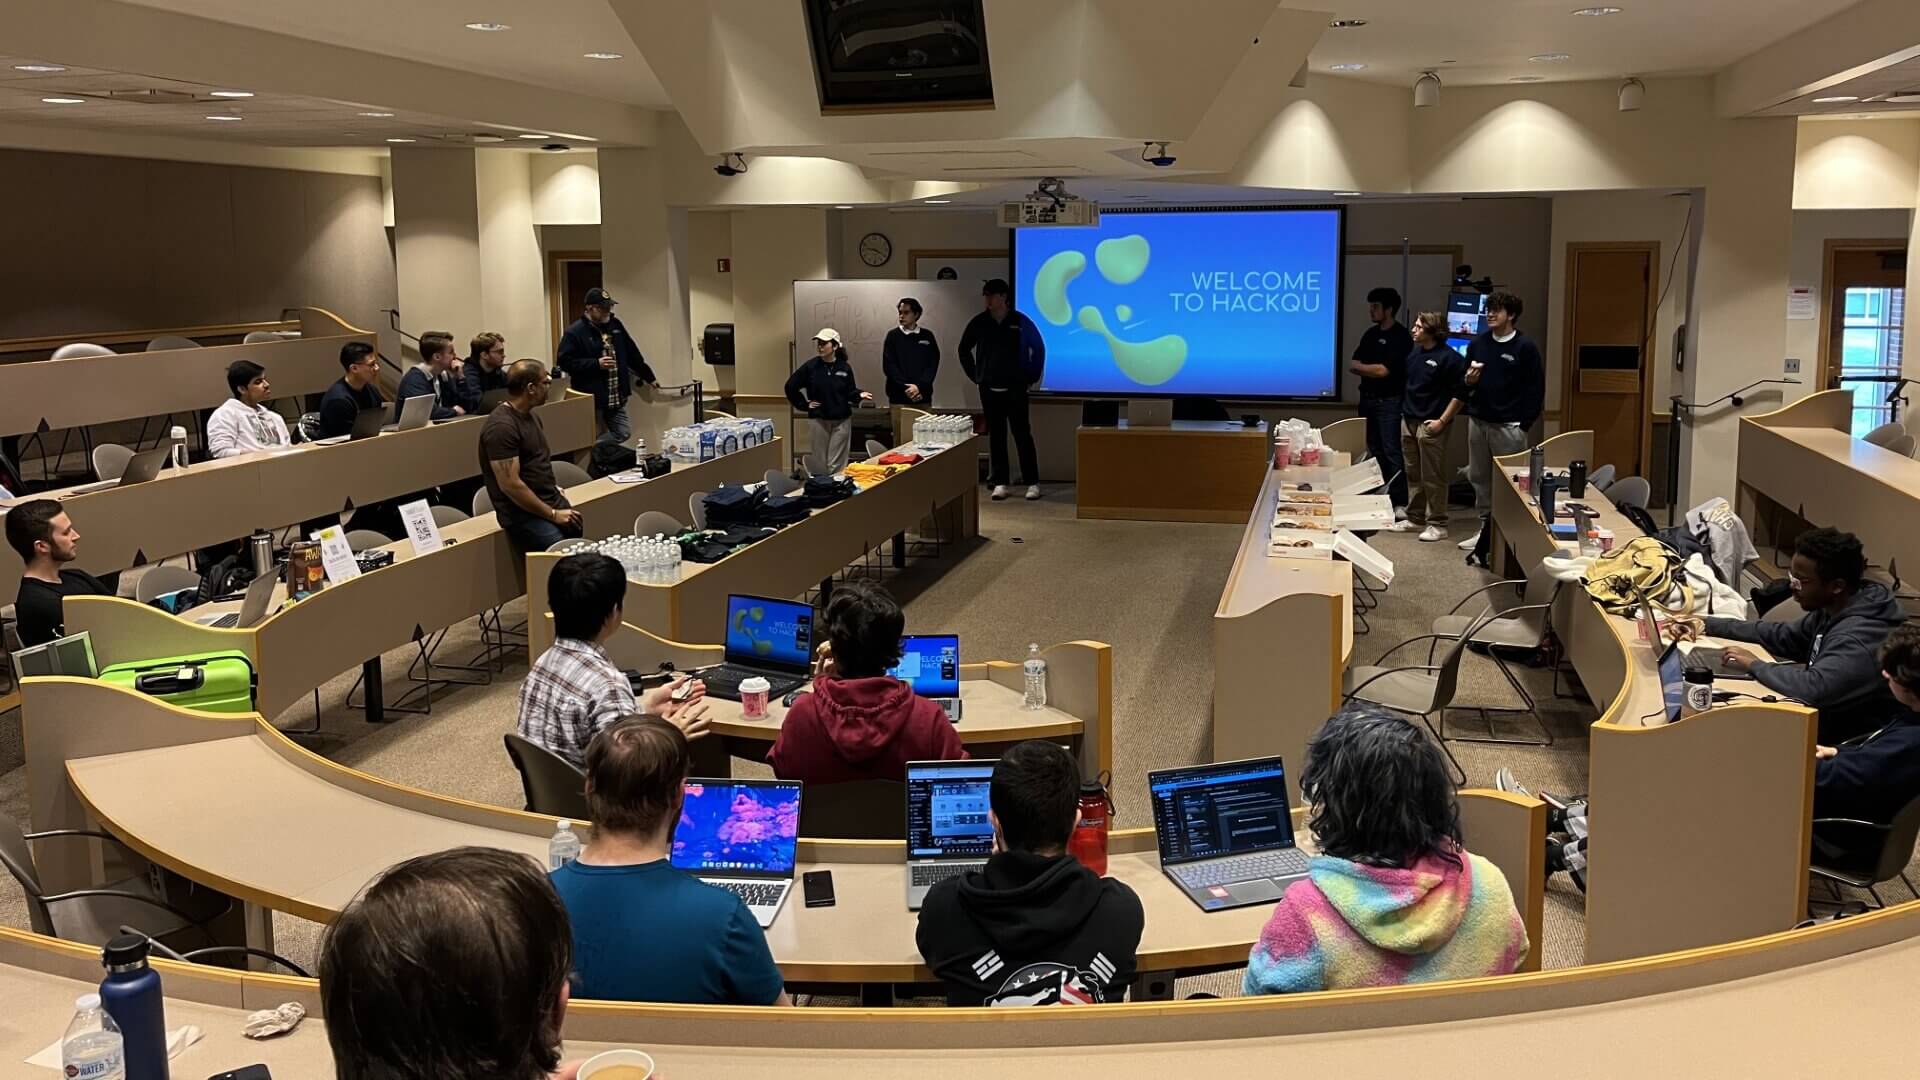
610, 458
1641, 567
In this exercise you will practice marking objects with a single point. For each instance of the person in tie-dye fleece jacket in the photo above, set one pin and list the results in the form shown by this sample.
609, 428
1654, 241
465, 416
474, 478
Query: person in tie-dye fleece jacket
1393, 897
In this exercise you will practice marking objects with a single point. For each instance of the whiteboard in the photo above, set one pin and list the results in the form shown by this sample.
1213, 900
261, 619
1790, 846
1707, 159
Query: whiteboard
863, 310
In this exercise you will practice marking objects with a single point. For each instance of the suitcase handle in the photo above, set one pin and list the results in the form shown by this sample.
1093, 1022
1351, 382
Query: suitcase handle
184, 678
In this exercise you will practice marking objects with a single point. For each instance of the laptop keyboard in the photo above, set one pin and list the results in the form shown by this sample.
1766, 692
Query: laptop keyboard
725, 683
755, 893
926, 875
230, 619
1285, 862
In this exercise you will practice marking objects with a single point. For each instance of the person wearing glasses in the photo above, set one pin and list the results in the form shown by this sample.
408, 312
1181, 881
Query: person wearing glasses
353, 391
518, 467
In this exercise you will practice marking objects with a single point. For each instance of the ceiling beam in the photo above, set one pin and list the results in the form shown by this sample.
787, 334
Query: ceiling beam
1871, 35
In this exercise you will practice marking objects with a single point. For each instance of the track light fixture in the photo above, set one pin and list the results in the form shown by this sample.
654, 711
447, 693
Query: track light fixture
1633, 93
1426, 91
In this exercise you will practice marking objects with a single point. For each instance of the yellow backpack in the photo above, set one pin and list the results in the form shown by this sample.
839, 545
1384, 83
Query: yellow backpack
1643, 566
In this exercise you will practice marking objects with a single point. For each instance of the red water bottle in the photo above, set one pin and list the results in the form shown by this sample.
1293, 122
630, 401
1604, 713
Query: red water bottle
1089, 840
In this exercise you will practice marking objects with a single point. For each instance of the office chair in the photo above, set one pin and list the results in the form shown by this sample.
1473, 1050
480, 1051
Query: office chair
110, 460
79, 349
266, 337
553, 787
1520, 627
875, 448
779, 483
1601, 478
171, 341
1903, 445
1630, 491
566, 474
657, 523
160, 580
1883, 850
482, 503
1418, 689
366, 540
1885, 433
93, 916
697, 508
444, 516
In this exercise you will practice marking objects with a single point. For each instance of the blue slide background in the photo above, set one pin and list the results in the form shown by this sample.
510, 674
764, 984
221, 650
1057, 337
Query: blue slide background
1229, 353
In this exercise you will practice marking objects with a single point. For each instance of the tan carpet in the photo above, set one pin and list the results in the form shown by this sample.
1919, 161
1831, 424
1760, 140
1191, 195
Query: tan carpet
1037, 574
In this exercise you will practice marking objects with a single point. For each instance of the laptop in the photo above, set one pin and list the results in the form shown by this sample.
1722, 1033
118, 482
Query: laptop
1673, 681
415, 412
772, 639
1713, 658
930, 663
1225, 833
366, 424
492, 400
141, 467
252, 610
741, 835
70, 655
948, 832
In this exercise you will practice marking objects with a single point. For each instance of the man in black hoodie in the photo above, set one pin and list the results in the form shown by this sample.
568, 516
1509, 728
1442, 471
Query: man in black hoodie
1832, 650
1035, 927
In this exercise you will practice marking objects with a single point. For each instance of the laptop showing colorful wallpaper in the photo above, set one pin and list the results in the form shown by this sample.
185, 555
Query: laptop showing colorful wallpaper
741, 835
769, 638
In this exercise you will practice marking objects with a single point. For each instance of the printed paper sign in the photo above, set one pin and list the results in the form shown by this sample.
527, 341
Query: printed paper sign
336, 556
421, 528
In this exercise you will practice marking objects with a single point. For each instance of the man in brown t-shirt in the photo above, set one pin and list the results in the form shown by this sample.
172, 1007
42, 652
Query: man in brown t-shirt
518, 469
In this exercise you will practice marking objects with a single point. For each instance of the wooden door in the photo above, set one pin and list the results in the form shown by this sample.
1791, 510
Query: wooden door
569, 275
1864, 307
1605, 371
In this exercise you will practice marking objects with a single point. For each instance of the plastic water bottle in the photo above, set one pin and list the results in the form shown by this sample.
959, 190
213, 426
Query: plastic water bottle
92, 1048
1036, 671
564, 847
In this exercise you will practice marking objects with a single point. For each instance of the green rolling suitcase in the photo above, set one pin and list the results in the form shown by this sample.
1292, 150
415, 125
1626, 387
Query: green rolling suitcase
211, 682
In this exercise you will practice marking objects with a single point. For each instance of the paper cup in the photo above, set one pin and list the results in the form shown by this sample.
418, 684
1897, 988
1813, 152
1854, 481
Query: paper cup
599, 1064
753, 697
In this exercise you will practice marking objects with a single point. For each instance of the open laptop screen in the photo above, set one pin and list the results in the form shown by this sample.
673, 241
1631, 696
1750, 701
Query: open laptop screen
1226, 809
1673, 680
70, 655
930, 663
769, 633
947, 809
738, 826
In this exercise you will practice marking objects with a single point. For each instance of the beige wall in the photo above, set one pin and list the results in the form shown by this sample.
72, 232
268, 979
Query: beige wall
1632, 216
772, 248
1856, 164
925, 230
1811, 231
512, 277
709, 290
99, 244
436, 238
566, 187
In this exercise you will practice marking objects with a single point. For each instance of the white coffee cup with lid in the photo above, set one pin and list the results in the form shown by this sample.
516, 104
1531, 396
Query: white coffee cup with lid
753, 697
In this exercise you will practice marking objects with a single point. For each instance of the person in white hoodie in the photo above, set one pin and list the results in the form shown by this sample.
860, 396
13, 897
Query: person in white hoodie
243, 423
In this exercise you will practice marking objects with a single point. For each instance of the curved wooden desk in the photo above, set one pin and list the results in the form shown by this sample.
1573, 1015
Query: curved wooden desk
302, 646
231, 803
1701, 829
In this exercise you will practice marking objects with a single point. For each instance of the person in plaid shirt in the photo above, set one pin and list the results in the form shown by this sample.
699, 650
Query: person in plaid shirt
574, 690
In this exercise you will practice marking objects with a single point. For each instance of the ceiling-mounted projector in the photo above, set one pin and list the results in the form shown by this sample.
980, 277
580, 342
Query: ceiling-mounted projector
1049, 204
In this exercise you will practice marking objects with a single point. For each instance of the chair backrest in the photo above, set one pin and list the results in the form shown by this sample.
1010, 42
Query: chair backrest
875, 448
659, 522
697, 508
1903, 445
567, 474
1541, 589
1447, 679
855, 810
366, 540
110, 460
444, 516
18, 858
260, 337
81, 348
171, 341
1630, 491
779, 483
163, 579
482, 503
1601, 477
554, 788
1897, 851
1886, 433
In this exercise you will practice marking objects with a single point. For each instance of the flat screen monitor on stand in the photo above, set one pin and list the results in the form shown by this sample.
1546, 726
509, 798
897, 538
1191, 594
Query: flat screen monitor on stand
1466, 317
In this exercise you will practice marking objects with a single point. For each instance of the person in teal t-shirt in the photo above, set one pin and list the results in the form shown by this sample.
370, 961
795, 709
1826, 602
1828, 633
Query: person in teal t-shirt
642, 930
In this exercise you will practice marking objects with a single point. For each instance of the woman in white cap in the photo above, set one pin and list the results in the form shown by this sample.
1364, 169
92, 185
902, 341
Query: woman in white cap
824, 388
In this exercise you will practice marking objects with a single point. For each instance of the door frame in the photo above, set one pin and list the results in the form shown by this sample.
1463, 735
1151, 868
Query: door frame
1567, 372
1832, 248
557, 298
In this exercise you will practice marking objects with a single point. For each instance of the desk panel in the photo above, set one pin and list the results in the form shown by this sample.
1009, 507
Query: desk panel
1187, 471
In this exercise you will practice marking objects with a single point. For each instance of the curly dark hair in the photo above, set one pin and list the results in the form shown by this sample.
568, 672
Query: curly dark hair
1837, 555
1379, 790
864, 624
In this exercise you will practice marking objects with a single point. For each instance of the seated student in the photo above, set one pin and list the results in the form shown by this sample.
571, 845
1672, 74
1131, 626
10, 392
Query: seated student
449, 964
1392, 898
437, 375
243, 423
518, 468
353, 391
485, 369
859, 723
1831, 648
41, 532
642, 930
574, 690
1035, 927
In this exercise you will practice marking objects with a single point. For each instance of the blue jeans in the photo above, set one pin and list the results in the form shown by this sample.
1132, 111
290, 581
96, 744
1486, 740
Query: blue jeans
535, 534
1383, 442
615, 428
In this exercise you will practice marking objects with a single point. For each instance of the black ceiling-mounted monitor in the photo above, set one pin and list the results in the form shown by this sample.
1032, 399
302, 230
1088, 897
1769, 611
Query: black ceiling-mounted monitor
886, 54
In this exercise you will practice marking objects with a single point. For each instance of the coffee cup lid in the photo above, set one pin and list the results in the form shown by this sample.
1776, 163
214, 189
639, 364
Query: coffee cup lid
755, 685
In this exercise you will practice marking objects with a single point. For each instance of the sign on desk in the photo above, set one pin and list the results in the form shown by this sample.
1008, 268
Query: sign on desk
421, 528
336, 555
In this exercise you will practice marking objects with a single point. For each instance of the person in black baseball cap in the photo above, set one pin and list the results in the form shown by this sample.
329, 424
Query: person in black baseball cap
602, 359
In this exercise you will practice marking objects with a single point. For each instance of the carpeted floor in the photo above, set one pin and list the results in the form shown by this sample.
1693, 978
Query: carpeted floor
1036, 575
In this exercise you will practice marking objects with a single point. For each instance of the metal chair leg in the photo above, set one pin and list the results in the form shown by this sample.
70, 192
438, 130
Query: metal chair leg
1459, 773
1909, 884
1486, 714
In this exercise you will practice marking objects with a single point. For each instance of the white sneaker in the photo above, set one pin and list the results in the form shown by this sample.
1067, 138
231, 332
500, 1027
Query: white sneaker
999, 492
1433, 533
1403, 525
1470, 542
1033, 492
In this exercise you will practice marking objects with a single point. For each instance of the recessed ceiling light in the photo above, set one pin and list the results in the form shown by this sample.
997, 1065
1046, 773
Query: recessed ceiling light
233, 93
226, 116
1548, 58
1347, 24
533, 136
603, 55
1346, 67
64, 100
843, 208
39, 69
399, 140
1346, 194
488, 27
938, 202
1837, 100
1598, 11
377, 115
1528, 78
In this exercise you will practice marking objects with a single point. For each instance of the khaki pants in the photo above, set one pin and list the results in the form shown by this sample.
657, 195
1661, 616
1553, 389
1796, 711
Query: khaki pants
1427, 477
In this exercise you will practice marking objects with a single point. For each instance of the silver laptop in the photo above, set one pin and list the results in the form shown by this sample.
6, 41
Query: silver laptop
367, 423
930, 663
1149, 412
742, 836
70, 655
252, 609
142, 467
1225, 832
415, 412
948, 832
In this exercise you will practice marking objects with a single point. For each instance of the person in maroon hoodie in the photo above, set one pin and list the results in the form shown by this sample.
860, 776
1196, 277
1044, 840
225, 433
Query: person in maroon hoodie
859, 723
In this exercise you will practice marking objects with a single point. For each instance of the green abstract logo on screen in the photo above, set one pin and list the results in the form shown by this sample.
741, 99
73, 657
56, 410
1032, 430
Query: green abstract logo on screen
1120, 260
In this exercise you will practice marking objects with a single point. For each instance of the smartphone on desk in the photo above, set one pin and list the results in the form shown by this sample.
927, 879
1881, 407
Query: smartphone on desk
818, 887
251, 1072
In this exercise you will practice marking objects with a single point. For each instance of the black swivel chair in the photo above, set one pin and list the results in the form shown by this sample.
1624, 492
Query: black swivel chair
1866, 853
554, 788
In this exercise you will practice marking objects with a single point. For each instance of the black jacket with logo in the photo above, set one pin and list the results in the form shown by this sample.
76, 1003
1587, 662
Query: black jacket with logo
910, 358
1433, 378
1031, 930
830, 384
1387, 348
1513, 380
